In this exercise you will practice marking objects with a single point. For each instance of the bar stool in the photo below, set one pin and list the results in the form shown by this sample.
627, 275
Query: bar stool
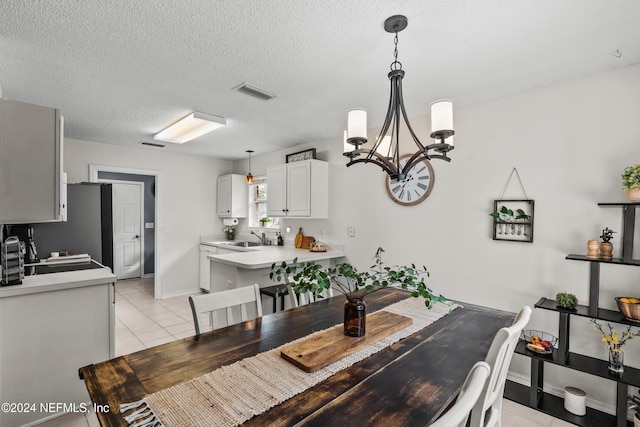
272, 291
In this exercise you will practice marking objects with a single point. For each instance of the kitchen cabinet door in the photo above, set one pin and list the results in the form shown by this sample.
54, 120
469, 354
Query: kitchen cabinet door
31, 182
232, 199
298, 190
205, 266
277, 190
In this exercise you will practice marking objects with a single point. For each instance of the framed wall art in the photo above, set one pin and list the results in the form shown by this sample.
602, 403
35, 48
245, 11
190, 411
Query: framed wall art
301, 155
513, 220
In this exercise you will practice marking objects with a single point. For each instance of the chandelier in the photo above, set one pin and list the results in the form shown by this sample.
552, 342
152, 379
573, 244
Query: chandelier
386, 149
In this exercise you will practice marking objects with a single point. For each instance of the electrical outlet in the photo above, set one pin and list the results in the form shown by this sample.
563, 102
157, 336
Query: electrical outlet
168, 229
351, 231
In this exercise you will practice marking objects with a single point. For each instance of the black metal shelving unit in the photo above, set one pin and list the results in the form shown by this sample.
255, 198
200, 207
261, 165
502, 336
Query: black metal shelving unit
534, 396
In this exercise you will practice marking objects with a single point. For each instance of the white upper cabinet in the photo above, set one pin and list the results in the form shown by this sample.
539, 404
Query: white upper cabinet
31, 183
233, 198
299, 189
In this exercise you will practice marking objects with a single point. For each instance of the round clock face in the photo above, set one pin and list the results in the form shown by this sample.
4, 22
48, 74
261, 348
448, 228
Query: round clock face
416, 187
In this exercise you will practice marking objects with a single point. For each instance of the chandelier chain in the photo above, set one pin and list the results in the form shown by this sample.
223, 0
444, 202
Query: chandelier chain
396, 65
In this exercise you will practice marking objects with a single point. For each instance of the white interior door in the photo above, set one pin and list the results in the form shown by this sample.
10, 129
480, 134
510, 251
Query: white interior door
127, 230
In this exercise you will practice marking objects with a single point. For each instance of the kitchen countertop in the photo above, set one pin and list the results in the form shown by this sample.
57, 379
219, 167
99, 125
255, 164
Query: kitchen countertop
264, 256
59, 281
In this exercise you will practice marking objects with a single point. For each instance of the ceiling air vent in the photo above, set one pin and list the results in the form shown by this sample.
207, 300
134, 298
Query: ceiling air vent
254, 91
152, 144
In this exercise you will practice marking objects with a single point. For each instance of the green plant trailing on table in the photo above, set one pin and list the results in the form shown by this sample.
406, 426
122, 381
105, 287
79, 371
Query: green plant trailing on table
631, 177
566, 300
354, 284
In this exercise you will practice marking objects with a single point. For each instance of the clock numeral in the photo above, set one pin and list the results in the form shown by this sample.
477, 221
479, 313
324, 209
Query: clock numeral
421, 185
424, 177
408, 196
417, 192
396, 188
420, 171
401, 193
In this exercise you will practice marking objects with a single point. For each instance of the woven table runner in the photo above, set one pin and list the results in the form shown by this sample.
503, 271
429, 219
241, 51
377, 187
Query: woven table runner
233, 394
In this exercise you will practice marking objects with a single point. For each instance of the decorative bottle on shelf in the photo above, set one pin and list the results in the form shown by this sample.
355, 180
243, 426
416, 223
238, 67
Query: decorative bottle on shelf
280, 239
606, 247
592, 248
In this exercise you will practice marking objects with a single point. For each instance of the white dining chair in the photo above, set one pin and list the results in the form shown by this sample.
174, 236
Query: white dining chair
308, 297
487, 411
225, 300
458, 414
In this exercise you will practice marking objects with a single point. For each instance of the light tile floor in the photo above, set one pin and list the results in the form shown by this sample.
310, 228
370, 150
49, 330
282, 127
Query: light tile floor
143, 322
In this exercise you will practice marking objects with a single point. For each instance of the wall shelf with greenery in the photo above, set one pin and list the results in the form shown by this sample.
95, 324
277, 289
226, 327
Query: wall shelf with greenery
534, 395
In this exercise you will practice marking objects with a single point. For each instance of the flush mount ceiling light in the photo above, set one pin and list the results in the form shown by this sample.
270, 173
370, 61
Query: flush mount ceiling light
249, 176
194, 125
386, 149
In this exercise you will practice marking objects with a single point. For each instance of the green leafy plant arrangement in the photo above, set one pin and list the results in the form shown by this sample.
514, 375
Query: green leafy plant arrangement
506, 214
566, 300
313, 277
631, 177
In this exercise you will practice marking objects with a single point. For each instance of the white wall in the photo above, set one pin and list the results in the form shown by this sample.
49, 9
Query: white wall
186, 192
569, 142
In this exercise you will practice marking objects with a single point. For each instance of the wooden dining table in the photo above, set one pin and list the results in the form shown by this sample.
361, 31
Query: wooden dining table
410, 383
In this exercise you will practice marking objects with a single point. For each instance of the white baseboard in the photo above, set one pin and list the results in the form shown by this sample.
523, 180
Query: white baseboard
193, 291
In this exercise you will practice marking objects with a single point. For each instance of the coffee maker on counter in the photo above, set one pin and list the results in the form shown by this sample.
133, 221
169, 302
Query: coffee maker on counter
24, 233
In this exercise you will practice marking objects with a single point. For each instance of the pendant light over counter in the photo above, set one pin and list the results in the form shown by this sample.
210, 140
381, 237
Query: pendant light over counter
249, 176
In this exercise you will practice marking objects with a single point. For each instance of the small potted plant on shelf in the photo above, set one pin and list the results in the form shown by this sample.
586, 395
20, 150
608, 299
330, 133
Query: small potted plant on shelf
631, 182
355, 285
566, 300
635, 406
606, 247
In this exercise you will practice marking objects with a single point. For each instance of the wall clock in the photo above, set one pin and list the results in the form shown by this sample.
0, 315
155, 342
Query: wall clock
416, 187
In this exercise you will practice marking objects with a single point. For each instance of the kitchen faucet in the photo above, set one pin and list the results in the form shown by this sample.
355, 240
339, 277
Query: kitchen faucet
261, 236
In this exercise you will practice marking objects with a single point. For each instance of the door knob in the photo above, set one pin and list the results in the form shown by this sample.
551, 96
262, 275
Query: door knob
137, 236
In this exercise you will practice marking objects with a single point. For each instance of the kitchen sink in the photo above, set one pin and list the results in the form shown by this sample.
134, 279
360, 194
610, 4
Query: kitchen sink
245, 244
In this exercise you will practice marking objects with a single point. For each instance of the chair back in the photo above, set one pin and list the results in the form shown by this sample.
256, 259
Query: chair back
227, 299
488, 409
458, 414
308, 297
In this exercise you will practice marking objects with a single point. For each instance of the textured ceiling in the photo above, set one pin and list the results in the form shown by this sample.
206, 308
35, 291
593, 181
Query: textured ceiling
121, 71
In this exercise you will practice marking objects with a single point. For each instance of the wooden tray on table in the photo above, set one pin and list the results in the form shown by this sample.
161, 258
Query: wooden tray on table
332, 345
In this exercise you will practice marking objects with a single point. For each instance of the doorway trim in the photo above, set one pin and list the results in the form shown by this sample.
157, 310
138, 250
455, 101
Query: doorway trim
113, 207
93, 177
